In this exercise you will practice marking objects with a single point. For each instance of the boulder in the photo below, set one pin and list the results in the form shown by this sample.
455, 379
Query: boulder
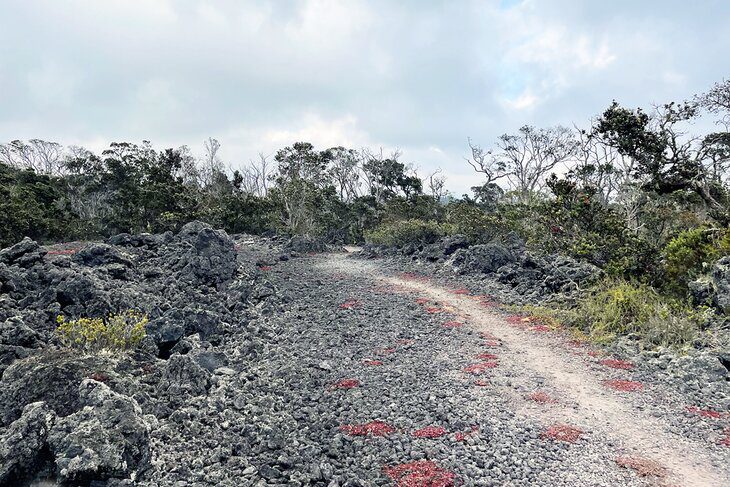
304, 244
452, 243
22, 444
211, 255
106, 439
702, 291
23, 253
485, 259
98, 254
51, 377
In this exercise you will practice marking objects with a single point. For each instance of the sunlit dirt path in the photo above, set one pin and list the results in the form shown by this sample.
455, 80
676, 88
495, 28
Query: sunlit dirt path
585, 401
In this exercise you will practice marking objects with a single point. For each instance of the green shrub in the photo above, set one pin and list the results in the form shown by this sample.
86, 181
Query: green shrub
690, 252
620, 308
115, 332
475, 224
685, 253
401, 233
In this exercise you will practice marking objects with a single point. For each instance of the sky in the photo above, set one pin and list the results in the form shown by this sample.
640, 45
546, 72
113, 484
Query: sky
415, 75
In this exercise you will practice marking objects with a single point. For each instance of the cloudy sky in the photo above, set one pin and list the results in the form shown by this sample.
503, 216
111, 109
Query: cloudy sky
417, 75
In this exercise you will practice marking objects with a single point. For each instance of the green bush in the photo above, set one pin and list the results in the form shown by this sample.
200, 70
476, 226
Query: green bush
475, 224
115, 332
401, 233
621, 308
687, 254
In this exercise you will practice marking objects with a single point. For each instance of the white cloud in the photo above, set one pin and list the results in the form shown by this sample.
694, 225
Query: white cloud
422, 76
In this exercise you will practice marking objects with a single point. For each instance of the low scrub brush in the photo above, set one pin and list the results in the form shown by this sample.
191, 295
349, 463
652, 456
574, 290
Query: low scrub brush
115, 332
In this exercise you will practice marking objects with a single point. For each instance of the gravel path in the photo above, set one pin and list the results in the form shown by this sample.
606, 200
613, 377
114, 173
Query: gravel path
356, 374
544, 379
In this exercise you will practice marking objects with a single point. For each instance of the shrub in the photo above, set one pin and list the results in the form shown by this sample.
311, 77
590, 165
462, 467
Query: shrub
472, 222
402, 233
686, 255
620, 308
115, 332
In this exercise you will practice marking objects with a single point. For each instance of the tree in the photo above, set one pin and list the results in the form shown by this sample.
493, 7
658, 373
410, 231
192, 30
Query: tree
38, 155
437, 185
387, 178
302, 183
667, 160
532, 154
345, 173
254, 177
483, 161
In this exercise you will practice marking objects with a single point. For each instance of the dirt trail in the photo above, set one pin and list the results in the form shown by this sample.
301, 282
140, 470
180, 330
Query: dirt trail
586, 402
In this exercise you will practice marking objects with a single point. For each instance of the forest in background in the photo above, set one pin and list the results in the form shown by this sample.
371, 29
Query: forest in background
637, 193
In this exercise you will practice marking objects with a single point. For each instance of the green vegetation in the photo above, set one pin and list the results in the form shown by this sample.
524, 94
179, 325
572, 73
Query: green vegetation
635, 193
415, 232
115, 332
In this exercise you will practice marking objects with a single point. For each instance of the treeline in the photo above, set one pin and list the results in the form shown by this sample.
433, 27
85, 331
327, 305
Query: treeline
634, 193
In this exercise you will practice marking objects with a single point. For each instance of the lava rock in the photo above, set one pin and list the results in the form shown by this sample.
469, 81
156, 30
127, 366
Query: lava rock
22, 444
25, 247
98, 254
484, 258
107, 438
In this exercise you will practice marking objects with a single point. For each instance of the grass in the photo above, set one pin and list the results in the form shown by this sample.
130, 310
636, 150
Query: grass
618, 308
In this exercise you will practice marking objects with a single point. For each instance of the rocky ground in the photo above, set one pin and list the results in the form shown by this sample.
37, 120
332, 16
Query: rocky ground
270, 363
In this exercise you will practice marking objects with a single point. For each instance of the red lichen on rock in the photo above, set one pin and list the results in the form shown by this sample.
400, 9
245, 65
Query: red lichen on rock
705, 413
430, 432
434, 309
373, 363
487, 356
453, 324
617, 364
463, 435
346, 384
373, 428
541, 397
422, 300
625, 385
562, 432
480, 367
99, 377
350, 303
595, 353
643, 467
423, 473
518, 320
412, 276
481, 383
461, 291
386, 351
541, 328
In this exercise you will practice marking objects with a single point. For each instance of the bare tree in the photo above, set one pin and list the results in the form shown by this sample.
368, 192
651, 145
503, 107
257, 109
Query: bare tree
38, 155
437, 185
256, 176
532, 154
717, 100
483, 161
211, 164
345, 171
189, 171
